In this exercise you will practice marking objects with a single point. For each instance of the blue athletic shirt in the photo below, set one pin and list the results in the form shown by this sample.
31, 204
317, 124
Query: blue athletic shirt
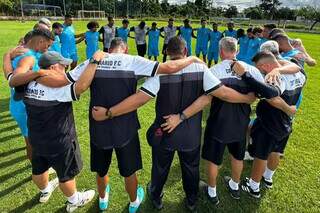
232, 33
68, 41
186, 33
56, 45
291, 54
153, 41
123, 33
92, 39
253, 49
215, 37
203, 35
243, 48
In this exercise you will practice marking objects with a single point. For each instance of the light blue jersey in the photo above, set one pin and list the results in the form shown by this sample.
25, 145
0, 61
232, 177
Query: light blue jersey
291, 54
186, 34
17, 108
203, 36
56, 45
215, 37
232, 33
92, 41
123, 33
153, 42
253, 49
243, 48
68, 43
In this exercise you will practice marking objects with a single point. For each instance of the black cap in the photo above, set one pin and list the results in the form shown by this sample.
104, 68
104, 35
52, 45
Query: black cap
51, 57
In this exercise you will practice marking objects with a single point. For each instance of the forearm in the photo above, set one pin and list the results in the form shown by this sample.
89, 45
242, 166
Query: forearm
279, 103
288, 67
7, 67
262, 89
23, 78
197, 105
54, 79
174, 65
230, 95
130, 104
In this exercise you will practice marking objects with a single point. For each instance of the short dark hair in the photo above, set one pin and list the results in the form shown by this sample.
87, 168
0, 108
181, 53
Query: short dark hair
263, 55
270, 26
249, 30
125, 21
154, 24
42, 33
240, 33
57, 25
275, 31
279, 36
117, 42
142, 24
92, 24
176, 45
110, 18
186, 21
257, 30
68, 16
171, 19
203, 20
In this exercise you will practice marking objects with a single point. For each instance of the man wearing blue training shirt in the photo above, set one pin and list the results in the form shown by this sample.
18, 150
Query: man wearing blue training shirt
203, 36
215, 37
230, 32
68, 41
153, 43
123, 31
186, 32
57, 29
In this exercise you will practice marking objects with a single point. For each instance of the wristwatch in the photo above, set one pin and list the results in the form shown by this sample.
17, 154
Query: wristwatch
109, 114
183, 117
94, 61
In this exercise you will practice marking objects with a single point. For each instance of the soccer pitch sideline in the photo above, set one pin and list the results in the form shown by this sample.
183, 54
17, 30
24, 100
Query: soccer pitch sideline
296, 183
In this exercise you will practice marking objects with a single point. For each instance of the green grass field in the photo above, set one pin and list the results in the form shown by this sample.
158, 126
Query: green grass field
297, 181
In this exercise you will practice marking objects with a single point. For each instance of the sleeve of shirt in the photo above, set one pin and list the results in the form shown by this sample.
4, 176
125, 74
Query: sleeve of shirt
144, 67
75, 74
151, 86
101, 30
210, 82
256, 74
66, 93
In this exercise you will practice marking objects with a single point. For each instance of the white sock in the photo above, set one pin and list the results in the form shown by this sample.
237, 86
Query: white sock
75, 198
135, 203
105, 199
254, 185
233, 185
268, 174
47, 189
212, 191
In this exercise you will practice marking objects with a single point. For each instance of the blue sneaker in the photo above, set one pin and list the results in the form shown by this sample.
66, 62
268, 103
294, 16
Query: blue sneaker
103, 204
140, 195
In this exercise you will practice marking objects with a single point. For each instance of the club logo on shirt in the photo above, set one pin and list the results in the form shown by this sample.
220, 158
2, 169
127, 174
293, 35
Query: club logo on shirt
111, 63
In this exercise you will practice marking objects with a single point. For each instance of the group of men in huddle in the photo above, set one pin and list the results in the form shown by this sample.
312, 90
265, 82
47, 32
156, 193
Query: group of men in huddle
182, 86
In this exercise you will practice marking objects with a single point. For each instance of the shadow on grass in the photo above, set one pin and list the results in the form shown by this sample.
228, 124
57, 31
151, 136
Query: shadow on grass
5, 177
27, 205
4, 105
5, 116
8, 190
10, 152
12, 162
7, 120
8, 137
8, 128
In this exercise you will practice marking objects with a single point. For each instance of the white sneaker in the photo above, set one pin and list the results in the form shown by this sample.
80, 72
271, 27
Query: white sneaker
44, 197
247, 156
85, 197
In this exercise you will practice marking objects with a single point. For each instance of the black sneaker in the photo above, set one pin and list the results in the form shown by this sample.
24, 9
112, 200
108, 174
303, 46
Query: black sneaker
157, 204
203, 187
190, 207
267, 183
235, 194
245, 186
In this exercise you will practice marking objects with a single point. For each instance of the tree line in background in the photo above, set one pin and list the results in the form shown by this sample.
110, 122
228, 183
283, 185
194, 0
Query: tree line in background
267, 9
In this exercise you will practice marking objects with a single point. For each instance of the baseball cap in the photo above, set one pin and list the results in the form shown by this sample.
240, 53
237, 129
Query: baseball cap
51, 57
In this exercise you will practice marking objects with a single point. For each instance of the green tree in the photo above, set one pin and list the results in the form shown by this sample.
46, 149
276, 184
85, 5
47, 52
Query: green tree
253, 12
231, 11
270, 7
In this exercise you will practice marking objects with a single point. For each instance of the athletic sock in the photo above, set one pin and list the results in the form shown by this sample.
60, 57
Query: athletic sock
47, 189
135, 203
268, 174
233, 185
254, 185
212, 191
75, 198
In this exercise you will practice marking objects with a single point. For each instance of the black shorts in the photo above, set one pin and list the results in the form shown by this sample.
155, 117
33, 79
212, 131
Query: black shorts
129, 158
164, 49
67, 164
142, 49
263, 143
213, 150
